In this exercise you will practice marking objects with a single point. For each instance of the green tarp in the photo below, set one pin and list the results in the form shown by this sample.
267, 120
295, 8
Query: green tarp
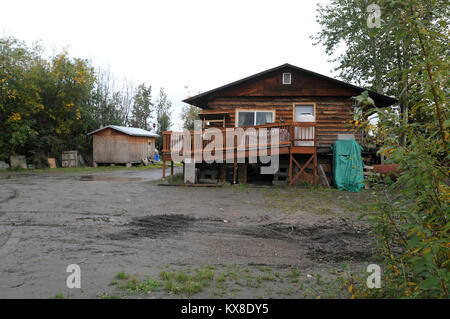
348, 165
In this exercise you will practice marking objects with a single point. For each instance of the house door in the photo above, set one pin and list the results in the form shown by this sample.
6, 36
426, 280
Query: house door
304, 113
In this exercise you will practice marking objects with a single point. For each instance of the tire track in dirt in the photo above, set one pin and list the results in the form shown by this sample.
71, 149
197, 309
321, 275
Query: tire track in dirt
331, 240
13, 193
14, 237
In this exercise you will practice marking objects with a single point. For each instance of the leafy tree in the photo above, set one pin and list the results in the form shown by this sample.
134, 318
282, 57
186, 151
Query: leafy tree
410, 218
19, 99
108, 100
163, 115
189, 113
379, 58
45, 104
141, 112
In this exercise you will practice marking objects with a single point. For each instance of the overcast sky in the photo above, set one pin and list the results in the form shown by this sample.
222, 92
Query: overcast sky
199, 44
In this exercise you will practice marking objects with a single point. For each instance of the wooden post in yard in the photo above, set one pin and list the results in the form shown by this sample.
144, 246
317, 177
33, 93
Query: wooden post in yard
223, 172
171, 168
315, 156
290, 166
164, 167
315, 169
291, 131
235, 160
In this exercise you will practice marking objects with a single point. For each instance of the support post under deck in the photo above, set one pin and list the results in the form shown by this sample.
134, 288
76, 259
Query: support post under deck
235, 161
164, 167
290, 166
315, 169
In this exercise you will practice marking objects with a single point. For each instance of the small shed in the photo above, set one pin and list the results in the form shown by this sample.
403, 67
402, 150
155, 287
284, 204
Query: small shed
114, 144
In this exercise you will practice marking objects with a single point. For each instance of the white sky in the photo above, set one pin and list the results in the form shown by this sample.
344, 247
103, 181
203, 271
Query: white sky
201, 44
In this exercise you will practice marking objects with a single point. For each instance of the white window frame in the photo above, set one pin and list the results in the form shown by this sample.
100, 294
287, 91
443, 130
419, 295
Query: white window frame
236, 124
290, 78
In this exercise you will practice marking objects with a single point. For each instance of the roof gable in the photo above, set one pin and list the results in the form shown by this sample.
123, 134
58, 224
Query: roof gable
269, 84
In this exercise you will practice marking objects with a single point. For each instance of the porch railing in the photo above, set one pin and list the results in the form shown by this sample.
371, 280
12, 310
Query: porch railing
244, 138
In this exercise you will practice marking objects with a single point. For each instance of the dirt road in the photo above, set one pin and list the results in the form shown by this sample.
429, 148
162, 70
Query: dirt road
120, 220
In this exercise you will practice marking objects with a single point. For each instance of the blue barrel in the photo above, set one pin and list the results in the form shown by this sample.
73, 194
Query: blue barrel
157, 157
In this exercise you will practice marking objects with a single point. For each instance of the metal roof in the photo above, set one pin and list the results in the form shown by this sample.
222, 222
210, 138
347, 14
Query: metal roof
201, 99
133, 131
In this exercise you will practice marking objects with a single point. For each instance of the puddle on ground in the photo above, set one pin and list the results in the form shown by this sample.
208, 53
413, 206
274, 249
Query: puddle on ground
93, 178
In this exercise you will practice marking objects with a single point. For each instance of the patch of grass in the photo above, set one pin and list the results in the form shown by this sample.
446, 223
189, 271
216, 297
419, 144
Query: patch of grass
230, 279
182, 277
316, 200
269, 277
191, 287
172, 287
253, 282
114, 283
220, 277
171, 179
82, 169
59, 296
181, 282
122, 275
166, 275
134, 285
265, 269
293, 273
204, 274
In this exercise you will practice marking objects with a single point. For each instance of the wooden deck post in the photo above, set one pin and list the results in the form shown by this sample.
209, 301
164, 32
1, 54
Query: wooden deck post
184, 168
164, 167
290, 166
315, 169
235, 160
171, 168
223, 172
235, 170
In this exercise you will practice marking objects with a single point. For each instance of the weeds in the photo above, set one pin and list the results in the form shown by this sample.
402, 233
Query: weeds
122, 275
230, 280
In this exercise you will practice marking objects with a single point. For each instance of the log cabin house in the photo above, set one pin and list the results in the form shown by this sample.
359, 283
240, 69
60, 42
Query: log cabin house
309, 109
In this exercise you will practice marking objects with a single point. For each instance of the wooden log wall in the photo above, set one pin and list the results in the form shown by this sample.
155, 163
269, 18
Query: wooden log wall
332, 113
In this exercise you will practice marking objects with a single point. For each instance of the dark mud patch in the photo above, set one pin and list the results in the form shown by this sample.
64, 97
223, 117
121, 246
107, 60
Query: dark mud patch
340, 240
156, 226
94, 178
330, 240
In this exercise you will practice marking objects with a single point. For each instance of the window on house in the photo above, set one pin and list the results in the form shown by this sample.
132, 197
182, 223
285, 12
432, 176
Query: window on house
304, 113
251, 118
286, 78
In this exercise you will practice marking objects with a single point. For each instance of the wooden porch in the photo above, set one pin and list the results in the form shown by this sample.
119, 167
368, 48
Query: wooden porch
291, 138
